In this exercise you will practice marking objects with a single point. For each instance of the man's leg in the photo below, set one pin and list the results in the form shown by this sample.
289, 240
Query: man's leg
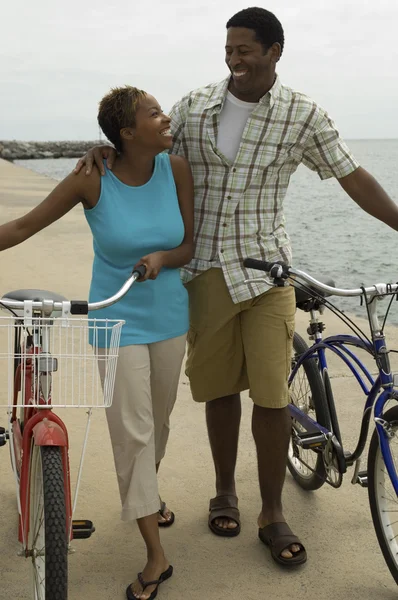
267, 330
271, 431
215, 367
223, 421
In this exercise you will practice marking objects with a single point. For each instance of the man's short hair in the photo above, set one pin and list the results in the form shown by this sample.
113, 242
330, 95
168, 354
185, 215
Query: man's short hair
264, 23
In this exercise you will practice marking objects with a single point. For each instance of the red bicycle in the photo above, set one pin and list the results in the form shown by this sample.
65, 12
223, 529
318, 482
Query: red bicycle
48, 334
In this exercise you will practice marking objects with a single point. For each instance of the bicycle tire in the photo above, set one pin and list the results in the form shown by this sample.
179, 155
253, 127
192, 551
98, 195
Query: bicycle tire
47, 540
376, 475
315, 401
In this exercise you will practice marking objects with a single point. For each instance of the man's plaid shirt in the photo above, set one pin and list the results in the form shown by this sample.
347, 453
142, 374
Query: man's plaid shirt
239, 206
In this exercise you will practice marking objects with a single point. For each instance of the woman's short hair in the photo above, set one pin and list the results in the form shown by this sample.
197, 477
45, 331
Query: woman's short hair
118, 110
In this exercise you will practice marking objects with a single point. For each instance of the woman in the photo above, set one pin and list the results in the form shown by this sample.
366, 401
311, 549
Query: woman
141, 212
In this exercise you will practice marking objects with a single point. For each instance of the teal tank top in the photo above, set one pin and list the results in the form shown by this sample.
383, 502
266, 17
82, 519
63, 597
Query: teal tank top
127, 223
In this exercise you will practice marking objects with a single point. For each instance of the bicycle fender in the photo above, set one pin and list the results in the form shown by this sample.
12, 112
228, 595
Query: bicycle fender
48, 433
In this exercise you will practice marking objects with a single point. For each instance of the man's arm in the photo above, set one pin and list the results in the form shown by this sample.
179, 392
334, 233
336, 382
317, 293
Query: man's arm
363, 188
96, 156
328, 155
178, 115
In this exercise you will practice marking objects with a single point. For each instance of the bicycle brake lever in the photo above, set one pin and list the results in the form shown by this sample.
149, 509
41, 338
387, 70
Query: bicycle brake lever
259, 280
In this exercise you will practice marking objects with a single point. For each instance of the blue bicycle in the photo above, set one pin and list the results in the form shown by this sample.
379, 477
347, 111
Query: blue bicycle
316, 452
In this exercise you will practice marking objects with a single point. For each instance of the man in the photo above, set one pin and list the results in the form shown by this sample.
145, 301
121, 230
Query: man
244, 137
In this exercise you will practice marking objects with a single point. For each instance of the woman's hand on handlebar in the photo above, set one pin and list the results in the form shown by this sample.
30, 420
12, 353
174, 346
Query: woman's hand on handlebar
153, 264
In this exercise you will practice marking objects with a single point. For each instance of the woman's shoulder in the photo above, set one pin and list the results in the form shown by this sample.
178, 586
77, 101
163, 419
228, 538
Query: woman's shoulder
87, 186
179, 165
178, 161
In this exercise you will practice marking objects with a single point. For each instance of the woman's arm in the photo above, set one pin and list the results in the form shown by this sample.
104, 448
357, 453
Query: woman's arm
72, 190
181, 255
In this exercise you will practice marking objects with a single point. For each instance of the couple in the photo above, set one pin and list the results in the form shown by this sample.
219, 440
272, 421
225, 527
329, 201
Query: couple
241, 139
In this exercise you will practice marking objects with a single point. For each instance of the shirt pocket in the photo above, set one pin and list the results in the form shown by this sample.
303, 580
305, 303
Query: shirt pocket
270, 166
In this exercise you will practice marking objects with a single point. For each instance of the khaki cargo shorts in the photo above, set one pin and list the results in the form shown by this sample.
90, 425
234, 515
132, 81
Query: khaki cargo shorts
235, 347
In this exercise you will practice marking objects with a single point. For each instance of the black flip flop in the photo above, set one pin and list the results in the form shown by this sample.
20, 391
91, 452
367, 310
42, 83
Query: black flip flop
144, 584
167, 523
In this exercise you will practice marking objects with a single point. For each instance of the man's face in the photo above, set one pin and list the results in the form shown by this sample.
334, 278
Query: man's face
252, 68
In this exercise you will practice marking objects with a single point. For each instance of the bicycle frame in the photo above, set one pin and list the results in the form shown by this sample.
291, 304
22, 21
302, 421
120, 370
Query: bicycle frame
41, 427
378, 391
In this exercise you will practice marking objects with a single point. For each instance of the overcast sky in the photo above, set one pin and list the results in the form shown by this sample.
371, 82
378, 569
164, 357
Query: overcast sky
57, 59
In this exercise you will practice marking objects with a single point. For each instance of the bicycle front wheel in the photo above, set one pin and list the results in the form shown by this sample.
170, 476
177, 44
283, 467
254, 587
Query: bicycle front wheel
306, 392
382, 497
47, 540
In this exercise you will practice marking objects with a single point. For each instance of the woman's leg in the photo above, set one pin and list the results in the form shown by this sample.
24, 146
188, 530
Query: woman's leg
131, 427
166, 360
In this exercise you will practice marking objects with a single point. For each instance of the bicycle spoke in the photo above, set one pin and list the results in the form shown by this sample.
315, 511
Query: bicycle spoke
300, 394
382, 496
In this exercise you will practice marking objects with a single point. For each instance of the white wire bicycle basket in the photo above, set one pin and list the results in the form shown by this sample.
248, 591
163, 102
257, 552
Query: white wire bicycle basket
75, 367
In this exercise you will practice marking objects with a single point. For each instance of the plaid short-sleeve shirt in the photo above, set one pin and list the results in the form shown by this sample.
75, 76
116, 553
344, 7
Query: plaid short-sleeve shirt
239, 206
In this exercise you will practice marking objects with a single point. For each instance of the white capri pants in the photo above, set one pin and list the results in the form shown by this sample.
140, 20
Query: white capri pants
146, 385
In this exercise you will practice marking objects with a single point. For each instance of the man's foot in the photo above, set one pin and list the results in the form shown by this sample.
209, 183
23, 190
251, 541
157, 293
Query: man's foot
277, 534
224, 516
165, 517
153, 571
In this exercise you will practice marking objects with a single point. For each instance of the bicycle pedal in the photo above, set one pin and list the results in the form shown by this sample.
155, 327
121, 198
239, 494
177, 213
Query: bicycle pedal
82, 529
362, 479
309, 441
3, 436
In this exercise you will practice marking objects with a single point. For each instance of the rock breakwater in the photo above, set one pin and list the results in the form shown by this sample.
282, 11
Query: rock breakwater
16, 150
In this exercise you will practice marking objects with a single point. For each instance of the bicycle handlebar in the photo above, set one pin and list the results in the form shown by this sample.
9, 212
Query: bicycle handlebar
77, 307
279, 270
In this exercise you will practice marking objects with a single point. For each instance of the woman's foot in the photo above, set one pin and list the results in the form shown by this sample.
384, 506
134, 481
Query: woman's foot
165, 516
152, 572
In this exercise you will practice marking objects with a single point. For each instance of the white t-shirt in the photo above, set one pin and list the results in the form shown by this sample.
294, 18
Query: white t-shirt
233, 119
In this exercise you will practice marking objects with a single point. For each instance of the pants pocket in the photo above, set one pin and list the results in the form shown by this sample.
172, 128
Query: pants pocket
290, 327
191, 340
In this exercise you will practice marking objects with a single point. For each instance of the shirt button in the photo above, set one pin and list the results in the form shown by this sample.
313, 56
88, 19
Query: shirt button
229, 197
224, 225
222, 250
234, 170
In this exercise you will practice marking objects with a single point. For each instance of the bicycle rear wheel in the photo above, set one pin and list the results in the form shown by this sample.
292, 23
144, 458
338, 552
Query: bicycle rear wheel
382, 497
48, 542
306, 392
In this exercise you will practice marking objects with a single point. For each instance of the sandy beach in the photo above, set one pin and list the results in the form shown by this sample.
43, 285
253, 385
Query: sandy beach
335, 525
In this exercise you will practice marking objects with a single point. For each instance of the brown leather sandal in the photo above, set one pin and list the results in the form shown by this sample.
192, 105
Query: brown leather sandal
279, 537
224, 507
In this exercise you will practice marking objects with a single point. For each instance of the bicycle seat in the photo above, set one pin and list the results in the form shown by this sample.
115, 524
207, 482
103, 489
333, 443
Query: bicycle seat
38, 295
306, 298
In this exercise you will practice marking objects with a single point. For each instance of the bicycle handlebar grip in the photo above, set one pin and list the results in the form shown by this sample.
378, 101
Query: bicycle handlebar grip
259, 265
141, 270
277, 270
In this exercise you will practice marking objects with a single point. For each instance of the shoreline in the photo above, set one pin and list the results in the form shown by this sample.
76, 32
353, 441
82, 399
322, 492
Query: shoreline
301, 317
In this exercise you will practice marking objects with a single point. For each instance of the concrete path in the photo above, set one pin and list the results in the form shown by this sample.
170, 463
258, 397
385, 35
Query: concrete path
344, 558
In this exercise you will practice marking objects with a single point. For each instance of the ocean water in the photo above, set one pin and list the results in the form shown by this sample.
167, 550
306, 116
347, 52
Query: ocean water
330, 234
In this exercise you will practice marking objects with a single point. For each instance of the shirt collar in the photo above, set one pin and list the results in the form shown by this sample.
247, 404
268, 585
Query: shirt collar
218, 96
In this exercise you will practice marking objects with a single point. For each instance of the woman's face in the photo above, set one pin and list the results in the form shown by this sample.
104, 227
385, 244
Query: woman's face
152, 126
